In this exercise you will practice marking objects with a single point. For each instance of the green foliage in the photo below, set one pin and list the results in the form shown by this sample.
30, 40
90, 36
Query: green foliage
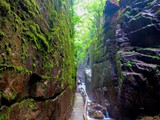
88, 20
76, 19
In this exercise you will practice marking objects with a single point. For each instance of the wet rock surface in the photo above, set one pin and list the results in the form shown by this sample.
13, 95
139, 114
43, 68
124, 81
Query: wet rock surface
126, 67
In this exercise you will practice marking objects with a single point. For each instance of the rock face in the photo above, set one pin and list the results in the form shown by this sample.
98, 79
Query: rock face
126, 66
36, 63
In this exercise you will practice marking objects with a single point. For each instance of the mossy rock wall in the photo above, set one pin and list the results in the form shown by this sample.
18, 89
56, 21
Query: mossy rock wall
37, 59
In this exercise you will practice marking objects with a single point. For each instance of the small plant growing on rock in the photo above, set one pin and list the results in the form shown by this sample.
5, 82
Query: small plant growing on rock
129, 63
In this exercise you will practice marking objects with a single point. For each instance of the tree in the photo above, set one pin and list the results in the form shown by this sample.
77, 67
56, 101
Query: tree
88, 20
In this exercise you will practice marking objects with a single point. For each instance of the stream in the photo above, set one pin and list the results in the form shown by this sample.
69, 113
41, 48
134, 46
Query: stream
84, 108
92, 110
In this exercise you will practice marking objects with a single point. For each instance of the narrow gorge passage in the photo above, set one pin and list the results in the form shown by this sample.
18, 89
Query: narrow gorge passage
108, 51
85, 108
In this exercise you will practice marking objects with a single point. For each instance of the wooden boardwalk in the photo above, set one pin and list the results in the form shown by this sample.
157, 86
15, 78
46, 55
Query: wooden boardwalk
77, 113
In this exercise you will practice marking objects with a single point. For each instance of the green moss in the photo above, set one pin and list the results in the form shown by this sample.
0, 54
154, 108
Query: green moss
50, 64
34, 27
31, 7
35, 35
53, 45
1, 116
16, 68
32, 104
46, 77
9, 113
4, 7
23, 52
31, 37
54, 12
5, 116
21, 104
129, 63
8, 49
21, 69
28, 102
4, 21
34, 65
1, 35
44, 41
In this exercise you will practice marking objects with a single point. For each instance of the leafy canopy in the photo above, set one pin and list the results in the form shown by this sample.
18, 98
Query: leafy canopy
88, 20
